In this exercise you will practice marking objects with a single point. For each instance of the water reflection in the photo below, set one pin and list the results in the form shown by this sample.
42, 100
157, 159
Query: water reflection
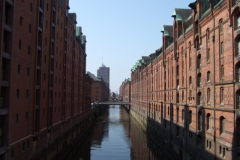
117, 136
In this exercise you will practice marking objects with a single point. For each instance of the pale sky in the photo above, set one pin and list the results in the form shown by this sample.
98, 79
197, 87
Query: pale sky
122, 31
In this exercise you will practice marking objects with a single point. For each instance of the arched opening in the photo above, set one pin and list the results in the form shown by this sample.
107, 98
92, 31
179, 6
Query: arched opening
199, 82
199, 98
222, 125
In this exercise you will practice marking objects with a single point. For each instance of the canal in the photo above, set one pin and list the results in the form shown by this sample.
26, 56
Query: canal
116, 135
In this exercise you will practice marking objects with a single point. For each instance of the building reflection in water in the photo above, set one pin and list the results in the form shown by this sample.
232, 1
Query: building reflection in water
116, 135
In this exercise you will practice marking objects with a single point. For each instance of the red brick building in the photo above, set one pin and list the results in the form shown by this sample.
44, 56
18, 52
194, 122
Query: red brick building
100, 89
125, 90
43, 63
188, 90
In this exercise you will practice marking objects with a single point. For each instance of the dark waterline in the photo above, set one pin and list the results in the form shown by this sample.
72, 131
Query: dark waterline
116, 136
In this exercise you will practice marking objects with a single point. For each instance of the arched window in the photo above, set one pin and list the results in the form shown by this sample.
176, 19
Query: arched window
222, 125
238, 47
222, 72
208, 121
199, 61
182, 114
221, 95
208, 55
208, 76
199, 80
199, 99
221, 48
208, 95
208, 34
182, 95
190, 80
221, 26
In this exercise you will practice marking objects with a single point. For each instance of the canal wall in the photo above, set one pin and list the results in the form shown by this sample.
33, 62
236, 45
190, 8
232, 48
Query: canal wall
174, 146
61, 147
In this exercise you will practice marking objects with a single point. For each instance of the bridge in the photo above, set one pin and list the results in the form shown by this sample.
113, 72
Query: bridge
114, 102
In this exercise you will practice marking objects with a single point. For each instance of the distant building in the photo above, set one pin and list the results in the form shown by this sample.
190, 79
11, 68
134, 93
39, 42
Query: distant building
104, 72
100, 89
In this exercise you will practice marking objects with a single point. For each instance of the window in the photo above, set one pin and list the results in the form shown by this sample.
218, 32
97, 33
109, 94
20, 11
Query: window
222, 72
19, 44
208, 121
223, 152
190, 117
16, 118
21, 20
19, 68
182, 96
208, 55
17, 92
220, 150
222, 125
221, 26
190, 80
31, 6
221, 95
182, 114
199, 80
208, 95
29, 50
199, 98
26, 115
27, 94
28, 71
199, 62
208, 35
30, 28
208, 76
221, 48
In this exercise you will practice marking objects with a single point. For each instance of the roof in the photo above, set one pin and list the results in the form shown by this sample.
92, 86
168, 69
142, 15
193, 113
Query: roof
93, 77
167, 30
181, 14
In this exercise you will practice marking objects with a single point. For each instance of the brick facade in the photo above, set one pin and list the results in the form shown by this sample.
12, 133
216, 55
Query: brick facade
43, 63
100, 89
189, 88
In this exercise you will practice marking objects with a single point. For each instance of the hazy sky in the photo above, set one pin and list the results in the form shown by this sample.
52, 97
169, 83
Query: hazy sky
121, 31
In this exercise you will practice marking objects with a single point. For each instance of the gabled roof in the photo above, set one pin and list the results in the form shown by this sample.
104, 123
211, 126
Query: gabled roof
181, 14
167, 30
93, 77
